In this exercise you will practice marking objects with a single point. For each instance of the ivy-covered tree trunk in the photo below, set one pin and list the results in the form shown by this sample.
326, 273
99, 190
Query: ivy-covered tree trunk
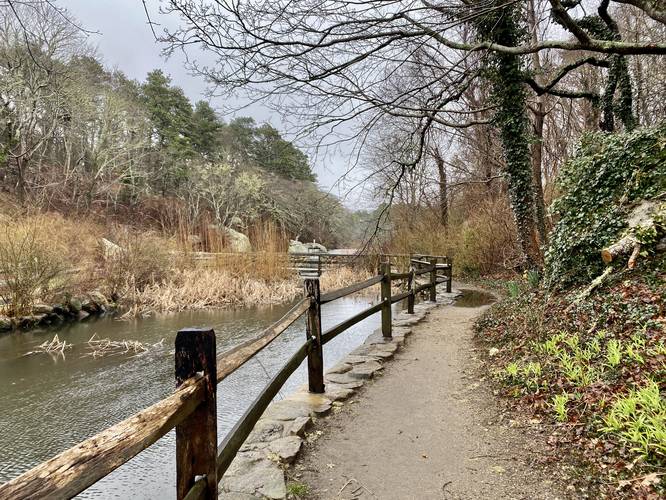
505, 26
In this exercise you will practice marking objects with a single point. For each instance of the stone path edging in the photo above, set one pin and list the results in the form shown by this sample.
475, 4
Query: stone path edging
257, 472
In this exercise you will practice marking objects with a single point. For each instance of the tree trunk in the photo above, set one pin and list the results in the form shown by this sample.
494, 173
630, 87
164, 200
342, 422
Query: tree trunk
537, 144
443, 188
503, 27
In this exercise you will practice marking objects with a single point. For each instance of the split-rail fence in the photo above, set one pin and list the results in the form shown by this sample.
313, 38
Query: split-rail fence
192, 408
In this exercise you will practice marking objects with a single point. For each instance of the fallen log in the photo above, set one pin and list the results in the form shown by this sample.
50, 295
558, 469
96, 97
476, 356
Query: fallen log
622, 247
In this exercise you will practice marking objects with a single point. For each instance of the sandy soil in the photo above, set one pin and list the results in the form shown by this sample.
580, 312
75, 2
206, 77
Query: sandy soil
428, 428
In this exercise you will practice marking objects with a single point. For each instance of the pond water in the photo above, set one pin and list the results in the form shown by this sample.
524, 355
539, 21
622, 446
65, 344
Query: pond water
474, 298
51, 402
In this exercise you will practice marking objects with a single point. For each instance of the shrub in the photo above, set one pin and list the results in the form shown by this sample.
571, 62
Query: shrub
598, 186
31, 265
139, 261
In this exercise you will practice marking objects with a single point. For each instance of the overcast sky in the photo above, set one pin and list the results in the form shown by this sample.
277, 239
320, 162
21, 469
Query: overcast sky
126, 42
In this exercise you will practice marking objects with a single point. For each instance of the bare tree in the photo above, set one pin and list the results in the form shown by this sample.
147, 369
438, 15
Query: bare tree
333, 63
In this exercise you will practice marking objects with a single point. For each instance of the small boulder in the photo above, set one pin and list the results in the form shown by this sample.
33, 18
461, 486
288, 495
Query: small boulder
5, 324
109, 248
237, 241
99, 298
74, 305
296, 246
286, 448
42, 309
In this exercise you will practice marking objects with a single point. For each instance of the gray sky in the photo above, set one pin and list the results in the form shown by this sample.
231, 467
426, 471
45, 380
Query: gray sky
126, 42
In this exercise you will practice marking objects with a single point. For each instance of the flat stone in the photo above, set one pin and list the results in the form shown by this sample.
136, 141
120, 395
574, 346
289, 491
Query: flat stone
234, 495
334, 386
356, 360
344, 379
317, 401
254, 474
376, 338
365, 370
407, 322
297, 427
286, 448
402, 331
341, 367
291, 409
398, 340
265, 430
338, 393
380, 351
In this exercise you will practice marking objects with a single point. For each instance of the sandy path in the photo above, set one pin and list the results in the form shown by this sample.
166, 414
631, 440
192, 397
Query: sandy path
426, 429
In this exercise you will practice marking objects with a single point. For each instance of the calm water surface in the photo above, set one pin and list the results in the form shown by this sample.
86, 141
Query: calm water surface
49, 403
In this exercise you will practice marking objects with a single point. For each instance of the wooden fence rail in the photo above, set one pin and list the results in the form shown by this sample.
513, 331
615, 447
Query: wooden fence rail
192, 408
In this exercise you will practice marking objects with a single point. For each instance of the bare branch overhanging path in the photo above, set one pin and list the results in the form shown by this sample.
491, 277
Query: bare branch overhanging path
428, 428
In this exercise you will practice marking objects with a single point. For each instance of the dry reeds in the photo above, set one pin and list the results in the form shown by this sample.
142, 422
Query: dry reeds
106, 347
53, 346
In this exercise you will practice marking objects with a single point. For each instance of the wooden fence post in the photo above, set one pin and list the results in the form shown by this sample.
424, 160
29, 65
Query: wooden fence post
449, 275
433, 279
411, 284
385, 271
313, 330
196, 436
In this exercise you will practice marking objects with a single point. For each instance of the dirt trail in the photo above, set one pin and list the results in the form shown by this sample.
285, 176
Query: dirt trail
426, 429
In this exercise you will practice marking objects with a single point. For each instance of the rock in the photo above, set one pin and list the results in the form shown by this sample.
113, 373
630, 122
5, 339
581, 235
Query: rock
315, 248
99, 298
82, 315
365, 370
344, 379
109, 248
338, 393
30, 321
493, 351
355, 360
296, 246
286, 448
234, 495
42, 309
291, 409
54, 318
5, 324
342, 367
253, 474
238, 242
265, 430
74, 305
297, 427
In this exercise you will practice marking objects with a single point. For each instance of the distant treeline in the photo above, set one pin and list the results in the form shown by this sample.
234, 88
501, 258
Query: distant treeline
79, 138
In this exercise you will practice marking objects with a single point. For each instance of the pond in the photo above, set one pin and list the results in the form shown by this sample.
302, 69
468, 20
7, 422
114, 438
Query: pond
51, 402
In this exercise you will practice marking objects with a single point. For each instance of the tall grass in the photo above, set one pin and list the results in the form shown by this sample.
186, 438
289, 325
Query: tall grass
480, 235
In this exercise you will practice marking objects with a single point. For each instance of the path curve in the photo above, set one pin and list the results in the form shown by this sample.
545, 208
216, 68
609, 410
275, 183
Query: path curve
428, 428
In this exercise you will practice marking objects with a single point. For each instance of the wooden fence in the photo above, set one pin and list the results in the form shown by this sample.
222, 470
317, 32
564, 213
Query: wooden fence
192, 408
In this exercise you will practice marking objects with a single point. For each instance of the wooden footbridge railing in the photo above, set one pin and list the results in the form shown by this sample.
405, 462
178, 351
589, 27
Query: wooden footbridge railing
192, 408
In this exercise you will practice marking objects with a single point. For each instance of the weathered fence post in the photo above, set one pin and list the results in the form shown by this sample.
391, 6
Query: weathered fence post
433, 279
411, 285
313, 330
385, 271
196, 436
449, 275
